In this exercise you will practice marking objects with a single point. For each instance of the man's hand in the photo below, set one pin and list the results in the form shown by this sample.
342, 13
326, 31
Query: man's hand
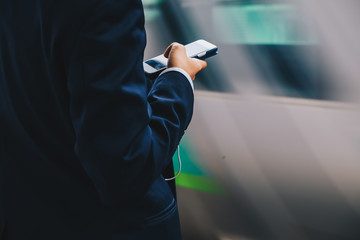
176, 54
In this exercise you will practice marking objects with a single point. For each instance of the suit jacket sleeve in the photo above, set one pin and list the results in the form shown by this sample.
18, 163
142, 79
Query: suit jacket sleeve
125, 137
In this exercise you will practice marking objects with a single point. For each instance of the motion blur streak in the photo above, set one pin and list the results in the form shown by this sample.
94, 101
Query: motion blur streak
337, 23
273, 151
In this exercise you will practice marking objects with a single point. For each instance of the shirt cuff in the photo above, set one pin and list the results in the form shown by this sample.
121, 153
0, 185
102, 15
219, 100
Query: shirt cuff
180, 71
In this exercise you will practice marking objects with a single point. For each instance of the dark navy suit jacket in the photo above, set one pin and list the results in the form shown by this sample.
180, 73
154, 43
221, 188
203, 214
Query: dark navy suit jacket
83, 141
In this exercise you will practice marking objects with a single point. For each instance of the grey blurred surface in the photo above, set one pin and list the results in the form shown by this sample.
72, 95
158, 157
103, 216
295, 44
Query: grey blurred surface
276, 119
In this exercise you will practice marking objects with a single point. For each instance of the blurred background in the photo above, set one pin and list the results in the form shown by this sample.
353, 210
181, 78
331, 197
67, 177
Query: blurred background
273, 150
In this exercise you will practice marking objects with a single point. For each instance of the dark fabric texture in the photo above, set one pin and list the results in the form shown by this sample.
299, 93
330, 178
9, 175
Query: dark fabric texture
84, 139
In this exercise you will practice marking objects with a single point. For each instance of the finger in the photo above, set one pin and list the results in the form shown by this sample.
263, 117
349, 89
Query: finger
179, 50
168, 49
201, 63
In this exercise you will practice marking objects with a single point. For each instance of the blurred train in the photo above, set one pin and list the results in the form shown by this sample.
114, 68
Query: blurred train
273, 150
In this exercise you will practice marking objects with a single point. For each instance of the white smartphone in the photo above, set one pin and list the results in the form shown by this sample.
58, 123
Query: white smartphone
200, 49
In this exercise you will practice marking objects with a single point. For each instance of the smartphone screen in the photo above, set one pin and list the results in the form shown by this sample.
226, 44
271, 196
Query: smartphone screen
155, 64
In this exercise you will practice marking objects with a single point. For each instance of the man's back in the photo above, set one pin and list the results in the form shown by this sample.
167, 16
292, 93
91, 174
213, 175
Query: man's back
39, 164
79, 155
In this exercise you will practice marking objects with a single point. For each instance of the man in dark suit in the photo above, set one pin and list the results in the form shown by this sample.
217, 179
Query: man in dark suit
83, 142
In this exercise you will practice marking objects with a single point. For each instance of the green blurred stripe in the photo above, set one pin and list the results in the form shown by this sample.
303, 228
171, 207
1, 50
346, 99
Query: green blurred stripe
150, 2
199, 183
189, 159
262, 24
